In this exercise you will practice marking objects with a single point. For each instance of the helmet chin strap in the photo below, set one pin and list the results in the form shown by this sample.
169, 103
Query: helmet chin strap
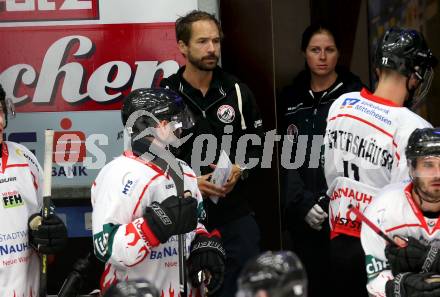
141, 147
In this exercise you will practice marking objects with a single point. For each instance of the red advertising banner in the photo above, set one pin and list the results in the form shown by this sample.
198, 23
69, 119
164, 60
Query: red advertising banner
84, 67
48, 10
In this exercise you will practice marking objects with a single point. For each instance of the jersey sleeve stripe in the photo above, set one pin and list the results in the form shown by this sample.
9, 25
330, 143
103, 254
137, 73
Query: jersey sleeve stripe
365, 122
402, 226
190, 175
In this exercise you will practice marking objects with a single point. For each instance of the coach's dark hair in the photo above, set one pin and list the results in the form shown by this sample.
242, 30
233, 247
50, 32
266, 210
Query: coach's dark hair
2, 93
316, 28
184, 23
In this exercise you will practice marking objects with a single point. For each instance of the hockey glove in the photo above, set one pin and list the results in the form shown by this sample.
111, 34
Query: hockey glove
171, 217
315, 217
413, 285
415, 257
48, 236
207, 256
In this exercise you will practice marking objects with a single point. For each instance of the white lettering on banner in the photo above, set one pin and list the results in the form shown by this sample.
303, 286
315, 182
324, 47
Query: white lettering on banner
45, 5
54, 68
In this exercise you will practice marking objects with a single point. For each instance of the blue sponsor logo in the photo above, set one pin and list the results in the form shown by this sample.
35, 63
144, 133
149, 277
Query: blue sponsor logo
164, 253
127, 187
349, 102
8, 249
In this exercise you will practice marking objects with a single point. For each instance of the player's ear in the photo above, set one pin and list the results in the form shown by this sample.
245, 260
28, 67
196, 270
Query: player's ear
183, 48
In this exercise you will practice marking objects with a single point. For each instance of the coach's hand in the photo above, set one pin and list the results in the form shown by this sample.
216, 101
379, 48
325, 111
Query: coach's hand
171, 217
315, 217
208, 189
47, 236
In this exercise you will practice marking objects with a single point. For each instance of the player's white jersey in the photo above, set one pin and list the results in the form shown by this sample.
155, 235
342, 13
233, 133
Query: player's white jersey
365, 145
120, 193
395, 213
21, 195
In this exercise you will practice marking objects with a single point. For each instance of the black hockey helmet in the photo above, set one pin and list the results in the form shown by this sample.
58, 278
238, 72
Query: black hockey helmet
153, 105
406, 51
403, 50
422, 143
134, 288
281, 274
7, 106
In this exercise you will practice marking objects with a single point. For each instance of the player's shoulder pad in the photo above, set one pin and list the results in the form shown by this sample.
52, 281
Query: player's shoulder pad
23, 153
413, 121
387, 200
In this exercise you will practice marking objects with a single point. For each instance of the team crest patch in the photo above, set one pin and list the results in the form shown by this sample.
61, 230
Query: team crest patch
226, 114
292, 133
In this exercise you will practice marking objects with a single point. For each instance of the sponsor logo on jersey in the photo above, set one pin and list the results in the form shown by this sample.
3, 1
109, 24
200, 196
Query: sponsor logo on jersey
374, 114
165, 252
100, 243
8, 179
12, 199
374, 266
128, 184
349, 102
13, 236
29, 159
169, 186
292, 133
351, 194
226, 114
127, 187
8, 249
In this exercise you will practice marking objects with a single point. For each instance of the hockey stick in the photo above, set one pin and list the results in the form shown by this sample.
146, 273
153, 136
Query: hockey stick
370, 224
47, 193
181, 239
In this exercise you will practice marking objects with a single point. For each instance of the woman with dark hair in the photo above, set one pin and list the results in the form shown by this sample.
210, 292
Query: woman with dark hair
306, 104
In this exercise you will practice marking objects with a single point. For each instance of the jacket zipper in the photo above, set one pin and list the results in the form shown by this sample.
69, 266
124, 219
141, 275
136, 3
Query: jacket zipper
315, 110
196, 105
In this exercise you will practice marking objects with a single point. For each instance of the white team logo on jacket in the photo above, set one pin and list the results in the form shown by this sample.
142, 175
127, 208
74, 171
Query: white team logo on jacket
226, 114
292, 133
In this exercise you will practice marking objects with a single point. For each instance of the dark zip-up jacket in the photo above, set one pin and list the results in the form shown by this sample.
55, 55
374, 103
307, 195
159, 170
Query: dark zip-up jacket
212, 112
305, 115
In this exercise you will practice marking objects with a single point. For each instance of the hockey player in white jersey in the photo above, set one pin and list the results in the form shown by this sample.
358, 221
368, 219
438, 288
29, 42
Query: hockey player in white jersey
136, 212
365, 140
21, 185
409, 214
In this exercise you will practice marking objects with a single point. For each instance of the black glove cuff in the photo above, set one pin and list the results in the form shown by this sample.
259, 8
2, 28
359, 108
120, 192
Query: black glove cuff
208, 243
431, 257
397, 289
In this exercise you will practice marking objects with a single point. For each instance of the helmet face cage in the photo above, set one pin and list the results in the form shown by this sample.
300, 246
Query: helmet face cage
422, 89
